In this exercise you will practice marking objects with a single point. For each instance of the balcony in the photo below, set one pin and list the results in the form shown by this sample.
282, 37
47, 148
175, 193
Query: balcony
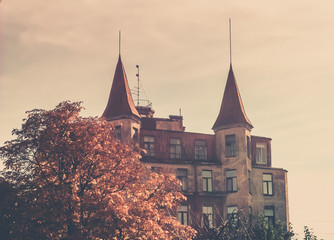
183, 159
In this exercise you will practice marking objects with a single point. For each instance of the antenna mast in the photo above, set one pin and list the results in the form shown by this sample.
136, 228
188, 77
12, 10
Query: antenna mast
137, 66
136, 92
119, 42
229, 20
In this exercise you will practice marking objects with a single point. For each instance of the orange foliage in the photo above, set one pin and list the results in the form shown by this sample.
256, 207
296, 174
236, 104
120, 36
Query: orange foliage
82, 183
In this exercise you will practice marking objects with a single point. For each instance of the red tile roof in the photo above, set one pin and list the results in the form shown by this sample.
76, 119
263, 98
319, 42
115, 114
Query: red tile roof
120, 103
232, 112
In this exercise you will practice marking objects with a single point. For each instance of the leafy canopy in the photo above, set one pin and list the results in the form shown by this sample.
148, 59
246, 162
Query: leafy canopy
74, 180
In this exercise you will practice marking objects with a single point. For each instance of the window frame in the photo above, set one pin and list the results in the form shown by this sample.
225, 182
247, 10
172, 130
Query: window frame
266, 183
135, 134
210, 215
231, 181
269, 218
183, 214
183, 177
176, 147
207, 182
118, 132
232, 213
231, 145
249, 149
149, 146
201, 148
261, 153
250, 182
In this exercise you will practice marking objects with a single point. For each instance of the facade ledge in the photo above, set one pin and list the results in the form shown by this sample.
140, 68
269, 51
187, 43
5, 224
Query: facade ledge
179, 161
270, 168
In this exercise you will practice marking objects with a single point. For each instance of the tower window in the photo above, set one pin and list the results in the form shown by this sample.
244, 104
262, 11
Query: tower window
118, 132
201, 150
249, 182
231, 180
207, 180
135, 134
248, 147
230, 146
182, 175
267, 184
261, 153
175, 148
149, 145
182, 215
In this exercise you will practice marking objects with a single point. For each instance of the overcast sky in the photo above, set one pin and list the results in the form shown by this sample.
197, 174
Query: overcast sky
283, 57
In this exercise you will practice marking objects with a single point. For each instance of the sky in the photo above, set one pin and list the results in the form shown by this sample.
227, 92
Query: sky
282, 56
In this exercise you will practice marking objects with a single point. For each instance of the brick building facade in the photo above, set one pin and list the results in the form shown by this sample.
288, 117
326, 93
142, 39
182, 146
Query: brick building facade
221, 173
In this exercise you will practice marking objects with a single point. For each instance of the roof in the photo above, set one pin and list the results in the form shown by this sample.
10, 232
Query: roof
232, 112
120, 103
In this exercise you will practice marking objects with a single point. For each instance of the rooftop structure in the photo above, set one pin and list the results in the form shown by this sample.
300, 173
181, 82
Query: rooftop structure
221, 173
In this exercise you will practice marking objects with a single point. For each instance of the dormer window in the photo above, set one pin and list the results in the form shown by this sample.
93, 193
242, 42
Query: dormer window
261, 153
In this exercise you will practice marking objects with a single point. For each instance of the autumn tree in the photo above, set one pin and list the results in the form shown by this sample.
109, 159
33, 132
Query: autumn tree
239, 227
73, 179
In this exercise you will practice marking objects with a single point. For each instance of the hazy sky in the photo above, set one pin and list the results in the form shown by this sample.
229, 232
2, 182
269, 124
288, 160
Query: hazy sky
283, 57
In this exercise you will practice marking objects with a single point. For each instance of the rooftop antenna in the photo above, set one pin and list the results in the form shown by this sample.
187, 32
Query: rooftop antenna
137, 66
229, 20
139, 90
119, 42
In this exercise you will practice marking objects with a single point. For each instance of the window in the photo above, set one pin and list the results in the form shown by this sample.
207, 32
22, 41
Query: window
118, 134
207, 180
232, 212
175, 148
250, 209
156, 169
269, 215
230, 146
208, 215
248, 147
135, 134
182, 175
231, 180
267, 184
201, 150
149, 145
249, 182
182, 215
261, 153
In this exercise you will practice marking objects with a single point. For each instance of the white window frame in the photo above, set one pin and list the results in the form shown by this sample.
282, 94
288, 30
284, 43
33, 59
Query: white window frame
261, 153
183, 215
207, 180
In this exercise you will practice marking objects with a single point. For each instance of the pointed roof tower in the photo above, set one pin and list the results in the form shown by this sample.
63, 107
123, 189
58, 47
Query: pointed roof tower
120, 103
232, 112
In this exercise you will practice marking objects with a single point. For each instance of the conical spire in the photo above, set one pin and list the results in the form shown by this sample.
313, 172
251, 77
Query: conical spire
120, 103
232, 112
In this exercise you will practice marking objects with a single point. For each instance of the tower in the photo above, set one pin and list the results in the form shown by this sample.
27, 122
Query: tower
233, 134
232, 130
120, 108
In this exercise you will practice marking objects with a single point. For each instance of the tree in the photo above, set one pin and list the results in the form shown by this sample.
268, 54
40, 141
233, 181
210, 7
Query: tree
75, 180
308, 234
239, 227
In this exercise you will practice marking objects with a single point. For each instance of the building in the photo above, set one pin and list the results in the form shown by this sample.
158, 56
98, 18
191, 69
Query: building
221, 173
